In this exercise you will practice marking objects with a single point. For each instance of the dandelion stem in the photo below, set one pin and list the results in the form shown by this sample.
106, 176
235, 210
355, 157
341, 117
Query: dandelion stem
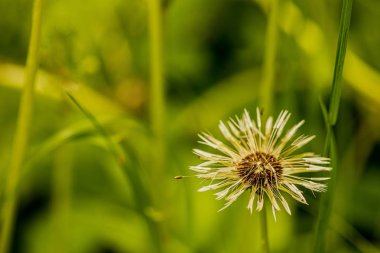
20, 141
267, 80
269, 66
330, 147
264, 230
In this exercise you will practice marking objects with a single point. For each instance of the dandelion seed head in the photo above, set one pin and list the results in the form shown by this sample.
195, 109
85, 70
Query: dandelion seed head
259, 157
259, 170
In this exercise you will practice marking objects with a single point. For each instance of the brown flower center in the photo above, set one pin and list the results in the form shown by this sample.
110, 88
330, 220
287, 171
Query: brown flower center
260, 170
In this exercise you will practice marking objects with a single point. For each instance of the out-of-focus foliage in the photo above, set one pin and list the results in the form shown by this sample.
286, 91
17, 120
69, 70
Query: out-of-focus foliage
88, 186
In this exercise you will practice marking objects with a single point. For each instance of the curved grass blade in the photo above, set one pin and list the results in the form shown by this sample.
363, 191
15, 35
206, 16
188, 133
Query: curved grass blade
20, 143
327, 199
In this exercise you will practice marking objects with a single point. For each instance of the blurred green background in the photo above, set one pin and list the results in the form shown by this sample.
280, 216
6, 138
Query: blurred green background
95, 186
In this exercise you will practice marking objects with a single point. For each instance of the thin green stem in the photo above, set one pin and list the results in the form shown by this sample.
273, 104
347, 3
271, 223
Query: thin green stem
157, 106
331, 118
266, 96
20, 142
339, 60
269, 65
157, 103
114, 149
61, 198
326, 200
264, 231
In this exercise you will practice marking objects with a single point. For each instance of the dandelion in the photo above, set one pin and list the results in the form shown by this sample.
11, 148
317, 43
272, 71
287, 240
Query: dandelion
259, 158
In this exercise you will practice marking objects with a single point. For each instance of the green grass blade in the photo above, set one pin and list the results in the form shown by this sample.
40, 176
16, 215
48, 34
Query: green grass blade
20, 143
118, 173
339, 61
325, 113
113, 148
61, 198
326, 200
330, 147
328, 127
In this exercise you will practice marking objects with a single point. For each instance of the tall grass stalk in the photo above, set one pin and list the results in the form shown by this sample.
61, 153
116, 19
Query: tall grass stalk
331, 118
61, 198
157, 94
157, 104
269, 65
339, 61
20, 142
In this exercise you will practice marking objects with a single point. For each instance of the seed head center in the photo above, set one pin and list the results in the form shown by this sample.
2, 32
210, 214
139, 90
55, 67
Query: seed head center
260, 169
